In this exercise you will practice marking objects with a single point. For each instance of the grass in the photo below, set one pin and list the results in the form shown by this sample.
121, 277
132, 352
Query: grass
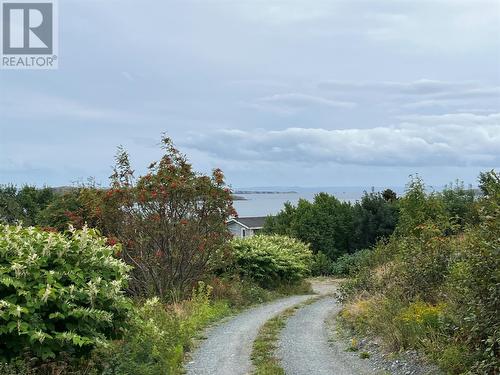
264, 346
364, 355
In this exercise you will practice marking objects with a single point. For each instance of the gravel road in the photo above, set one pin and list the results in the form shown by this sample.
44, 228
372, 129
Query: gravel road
227, 349
304, 348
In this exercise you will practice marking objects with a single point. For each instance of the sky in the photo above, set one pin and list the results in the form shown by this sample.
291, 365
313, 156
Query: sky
276, 93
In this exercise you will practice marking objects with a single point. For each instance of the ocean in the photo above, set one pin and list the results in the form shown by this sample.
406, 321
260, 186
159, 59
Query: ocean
260, 203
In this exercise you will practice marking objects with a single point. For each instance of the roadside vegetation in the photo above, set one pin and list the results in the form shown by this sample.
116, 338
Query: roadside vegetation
120, 280
434, 284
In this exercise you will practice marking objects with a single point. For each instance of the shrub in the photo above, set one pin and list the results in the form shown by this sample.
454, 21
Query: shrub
58, 293
349, 264
422, 263
271, 260
321, 265
459, 204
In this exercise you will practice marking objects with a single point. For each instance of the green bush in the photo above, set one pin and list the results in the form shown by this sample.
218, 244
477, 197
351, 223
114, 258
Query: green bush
349, 264
321, 265
272, 260
58, 293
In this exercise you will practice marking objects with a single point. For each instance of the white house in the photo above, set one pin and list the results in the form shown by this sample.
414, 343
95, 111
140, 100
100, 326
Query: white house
245, 226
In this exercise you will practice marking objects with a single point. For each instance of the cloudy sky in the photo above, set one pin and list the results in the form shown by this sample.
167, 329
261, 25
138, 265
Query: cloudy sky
276, 93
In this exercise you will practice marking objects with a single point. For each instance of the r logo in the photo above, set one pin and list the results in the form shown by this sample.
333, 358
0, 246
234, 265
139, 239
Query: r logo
27, 28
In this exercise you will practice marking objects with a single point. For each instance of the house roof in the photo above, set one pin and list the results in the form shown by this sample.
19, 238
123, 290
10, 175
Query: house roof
255, 222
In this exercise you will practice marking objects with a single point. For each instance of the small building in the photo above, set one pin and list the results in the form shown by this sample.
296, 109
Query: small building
246, 226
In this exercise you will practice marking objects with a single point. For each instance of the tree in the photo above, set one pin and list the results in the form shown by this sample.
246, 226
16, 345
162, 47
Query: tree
171, 222
282, 222
375, 217
10, 209
389, 195
333, 227
23, 205
325, 224
487, 180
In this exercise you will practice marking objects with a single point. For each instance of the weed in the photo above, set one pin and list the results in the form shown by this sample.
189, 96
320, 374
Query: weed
364, 355
353, 346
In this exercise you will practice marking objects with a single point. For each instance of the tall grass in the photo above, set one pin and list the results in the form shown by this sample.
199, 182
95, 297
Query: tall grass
161, 334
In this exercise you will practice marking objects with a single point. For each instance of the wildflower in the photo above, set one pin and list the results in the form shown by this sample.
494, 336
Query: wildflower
46, 294
19, 310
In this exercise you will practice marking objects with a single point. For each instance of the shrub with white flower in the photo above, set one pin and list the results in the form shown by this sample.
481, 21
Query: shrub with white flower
272, 260
58, 292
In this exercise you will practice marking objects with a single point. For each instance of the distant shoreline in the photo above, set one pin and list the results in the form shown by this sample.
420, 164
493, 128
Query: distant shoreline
263, 192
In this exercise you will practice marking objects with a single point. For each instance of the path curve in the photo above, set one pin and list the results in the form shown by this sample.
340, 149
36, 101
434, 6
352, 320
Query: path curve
304, 348
228, 347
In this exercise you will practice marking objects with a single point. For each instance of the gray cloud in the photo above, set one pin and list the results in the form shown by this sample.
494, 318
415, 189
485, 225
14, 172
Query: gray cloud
419, 94
304, 100
449, 140
291, 103
421, 87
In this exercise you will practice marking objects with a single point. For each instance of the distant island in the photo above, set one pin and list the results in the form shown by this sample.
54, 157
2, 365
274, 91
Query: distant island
239, 198
263, 192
